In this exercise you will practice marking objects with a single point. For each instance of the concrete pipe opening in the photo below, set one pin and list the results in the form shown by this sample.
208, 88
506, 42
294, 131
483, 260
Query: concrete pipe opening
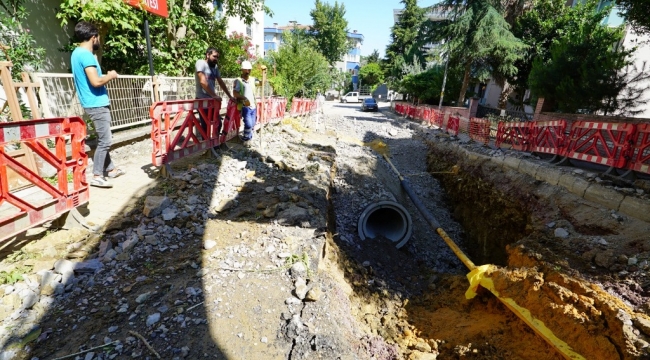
388, 219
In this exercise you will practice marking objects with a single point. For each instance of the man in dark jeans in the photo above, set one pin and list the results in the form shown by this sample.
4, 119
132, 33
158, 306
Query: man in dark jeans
91, 90
206, 76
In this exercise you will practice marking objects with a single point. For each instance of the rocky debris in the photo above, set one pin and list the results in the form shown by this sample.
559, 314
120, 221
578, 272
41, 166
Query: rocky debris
561, 233
154, 205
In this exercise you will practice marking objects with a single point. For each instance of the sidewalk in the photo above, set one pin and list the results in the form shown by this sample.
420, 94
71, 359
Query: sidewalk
104, 204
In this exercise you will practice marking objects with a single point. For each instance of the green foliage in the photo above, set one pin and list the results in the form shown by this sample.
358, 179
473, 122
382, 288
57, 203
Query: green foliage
177, 41
538, 28
11, 277
123, 22
22, 51
480, 40
232, 51
371, 74
404, 44
330, 30
301, 69
583, 64
341, 80
370, 59
426, 85
636, 13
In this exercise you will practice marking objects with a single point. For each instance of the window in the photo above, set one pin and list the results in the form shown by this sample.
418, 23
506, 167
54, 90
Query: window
249, 31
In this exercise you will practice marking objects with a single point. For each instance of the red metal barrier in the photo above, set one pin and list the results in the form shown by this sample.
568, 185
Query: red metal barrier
176, 131
438, 118
601, 143
39, 201
410, 111
231, 123
294, 107
479, 130
516, 134
419, 113
641, 154
453, 124
463, 125
399, 108
426, 114
549, 137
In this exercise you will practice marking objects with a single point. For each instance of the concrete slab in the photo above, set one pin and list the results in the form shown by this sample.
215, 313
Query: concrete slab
512, 162
601, 195
528, 167
548, 174
107, 203
636, 208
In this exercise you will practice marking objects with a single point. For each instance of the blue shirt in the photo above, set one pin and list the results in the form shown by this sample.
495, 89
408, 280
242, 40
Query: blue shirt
89, 96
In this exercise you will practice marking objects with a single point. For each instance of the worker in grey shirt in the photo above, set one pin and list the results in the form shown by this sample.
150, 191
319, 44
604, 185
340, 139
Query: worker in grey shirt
206, 76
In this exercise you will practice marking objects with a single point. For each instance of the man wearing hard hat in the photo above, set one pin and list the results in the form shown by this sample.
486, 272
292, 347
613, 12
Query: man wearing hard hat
244, 93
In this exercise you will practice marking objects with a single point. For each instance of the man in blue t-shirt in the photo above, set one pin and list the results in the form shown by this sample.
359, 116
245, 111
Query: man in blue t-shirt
92, 94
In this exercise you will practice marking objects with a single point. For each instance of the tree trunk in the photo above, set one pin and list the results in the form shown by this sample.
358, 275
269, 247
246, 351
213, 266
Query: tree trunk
181, 32
506, 90
171, 31
103, 32
463, 88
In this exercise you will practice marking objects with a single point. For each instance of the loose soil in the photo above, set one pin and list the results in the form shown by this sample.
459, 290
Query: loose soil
296, 201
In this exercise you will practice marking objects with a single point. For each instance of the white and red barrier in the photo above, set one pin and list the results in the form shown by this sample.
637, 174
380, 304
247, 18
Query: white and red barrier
640, 158
516, 134
176, 130
601, 143
37, 201
614, 144
479, 130
549, 137
303, 106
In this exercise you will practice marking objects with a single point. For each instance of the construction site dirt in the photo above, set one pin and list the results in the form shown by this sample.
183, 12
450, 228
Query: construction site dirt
255, 254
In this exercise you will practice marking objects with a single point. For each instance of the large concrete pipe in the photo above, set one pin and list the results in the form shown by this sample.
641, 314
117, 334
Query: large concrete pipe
388, 219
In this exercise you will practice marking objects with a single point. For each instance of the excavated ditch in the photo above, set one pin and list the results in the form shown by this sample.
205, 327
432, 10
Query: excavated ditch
510, 220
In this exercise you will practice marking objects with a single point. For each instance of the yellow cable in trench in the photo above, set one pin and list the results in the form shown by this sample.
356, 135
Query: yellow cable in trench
479, 276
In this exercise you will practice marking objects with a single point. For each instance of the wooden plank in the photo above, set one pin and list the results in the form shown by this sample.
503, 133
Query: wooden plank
10, 92
25, 157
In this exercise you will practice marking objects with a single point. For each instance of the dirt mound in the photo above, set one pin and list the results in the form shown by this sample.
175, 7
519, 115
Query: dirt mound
568, 260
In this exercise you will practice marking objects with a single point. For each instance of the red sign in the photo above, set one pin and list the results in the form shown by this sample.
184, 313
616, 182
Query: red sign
156, 7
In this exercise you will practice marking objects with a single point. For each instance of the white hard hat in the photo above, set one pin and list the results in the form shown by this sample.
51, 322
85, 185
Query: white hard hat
246, 65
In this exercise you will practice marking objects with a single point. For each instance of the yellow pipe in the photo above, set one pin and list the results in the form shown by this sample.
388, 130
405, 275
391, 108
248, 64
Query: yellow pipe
477, 276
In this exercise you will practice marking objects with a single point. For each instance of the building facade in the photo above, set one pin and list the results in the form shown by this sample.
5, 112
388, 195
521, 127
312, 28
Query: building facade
254, 31
350, 62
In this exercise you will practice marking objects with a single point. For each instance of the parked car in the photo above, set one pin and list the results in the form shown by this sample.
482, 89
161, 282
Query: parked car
369, 105
355, 96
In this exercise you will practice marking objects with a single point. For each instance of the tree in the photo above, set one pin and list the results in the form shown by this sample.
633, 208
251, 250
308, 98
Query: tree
404, 35
233, 49
371, 74
341, 80
373, 58
636, 13
177, 41
583, 70
301, 69
479, 39
426, 85
330, 30
21, 44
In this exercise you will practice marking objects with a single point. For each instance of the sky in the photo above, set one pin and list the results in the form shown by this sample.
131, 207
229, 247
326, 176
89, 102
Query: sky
373, 19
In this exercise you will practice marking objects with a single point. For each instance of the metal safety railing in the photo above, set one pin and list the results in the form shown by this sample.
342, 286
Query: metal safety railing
131, 96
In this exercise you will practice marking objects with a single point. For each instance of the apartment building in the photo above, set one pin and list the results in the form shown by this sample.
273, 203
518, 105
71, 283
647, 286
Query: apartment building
350, 62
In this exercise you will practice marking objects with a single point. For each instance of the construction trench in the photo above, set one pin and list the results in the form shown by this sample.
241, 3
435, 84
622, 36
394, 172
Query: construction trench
540, 294
552, 274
